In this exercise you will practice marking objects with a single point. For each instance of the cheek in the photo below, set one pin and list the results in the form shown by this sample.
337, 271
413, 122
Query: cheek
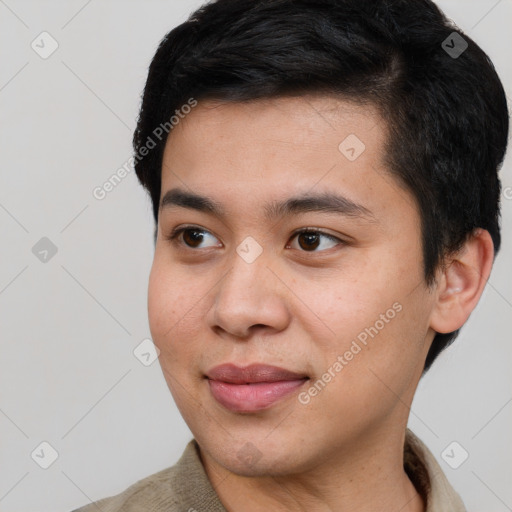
383, 310
372, 363
171, 300
161, 311
390, 347
173, 321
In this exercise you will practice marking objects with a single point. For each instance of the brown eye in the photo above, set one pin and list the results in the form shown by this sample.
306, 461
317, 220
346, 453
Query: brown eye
191, 237
309, 240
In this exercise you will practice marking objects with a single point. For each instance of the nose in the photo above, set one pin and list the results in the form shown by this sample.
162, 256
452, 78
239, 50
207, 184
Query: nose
249, 297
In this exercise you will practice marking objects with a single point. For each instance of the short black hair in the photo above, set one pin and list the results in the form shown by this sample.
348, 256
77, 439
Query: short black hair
437, 90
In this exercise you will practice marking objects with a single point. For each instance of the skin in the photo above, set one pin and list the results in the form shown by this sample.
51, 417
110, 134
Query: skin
300, 306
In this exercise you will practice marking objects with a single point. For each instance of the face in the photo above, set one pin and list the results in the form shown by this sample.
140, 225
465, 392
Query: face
280, 272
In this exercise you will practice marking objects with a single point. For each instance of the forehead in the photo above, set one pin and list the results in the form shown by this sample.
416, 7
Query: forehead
245, 153
304, 124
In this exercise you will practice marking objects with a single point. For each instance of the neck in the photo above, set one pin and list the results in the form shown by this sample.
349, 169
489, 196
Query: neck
369, 475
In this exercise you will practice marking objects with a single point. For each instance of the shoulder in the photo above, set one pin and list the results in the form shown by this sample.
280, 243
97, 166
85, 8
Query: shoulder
153, 493
183, 487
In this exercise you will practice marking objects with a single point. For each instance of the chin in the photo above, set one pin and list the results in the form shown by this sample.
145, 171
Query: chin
261, 458
262, 467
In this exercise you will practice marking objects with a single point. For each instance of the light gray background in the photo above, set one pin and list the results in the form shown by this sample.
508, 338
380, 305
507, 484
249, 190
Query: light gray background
68, 327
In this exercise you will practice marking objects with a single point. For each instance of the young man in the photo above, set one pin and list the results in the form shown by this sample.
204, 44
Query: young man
324, 185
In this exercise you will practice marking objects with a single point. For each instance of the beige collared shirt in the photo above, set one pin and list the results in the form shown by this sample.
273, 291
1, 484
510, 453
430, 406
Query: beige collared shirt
185, 487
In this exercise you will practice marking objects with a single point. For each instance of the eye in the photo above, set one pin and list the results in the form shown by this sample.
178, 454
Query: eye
310, 239
192, 237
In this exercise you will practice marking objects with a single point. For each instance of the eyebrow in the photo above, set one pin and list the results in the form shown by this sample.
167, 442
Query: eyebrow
324, 202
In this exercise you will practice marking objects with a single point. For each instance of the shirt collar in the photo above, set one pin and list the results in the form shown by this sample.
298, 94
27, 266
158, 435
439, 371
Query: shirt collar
428, 477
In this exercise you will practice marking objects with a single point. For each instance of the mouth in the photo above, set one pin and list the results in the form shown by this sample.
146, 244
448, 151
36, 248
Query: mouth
253, 388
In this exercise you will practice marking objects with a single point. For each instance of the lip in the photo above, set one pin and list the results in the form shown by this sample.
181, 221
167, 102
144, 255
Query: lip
252, 388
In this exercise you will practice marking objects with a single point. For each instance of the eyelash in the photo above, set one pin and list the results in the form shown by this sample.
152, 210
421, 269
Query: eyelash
175, 233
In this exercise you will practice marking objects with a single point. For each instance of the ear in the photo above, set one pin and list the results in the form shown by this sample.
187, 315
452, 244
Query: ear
462, 282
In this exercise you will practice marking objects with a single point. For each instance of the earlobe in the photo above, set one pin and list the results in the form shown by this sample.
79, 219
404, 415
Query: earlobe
462, 282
